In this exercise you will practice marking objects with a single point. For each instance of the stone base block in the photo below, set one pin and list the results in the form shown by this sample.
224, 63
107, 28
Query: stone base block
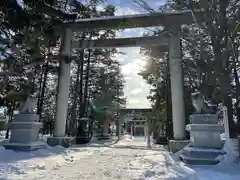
24, 132
24, 147
206, 135
62, 141
25, 117
201, 156
203, 119
176, 145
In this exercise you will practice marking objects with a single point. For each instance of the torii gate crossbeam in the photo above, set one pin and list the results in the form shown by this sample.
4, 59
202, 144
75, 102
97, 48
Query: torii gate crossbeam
133, 21
122, 42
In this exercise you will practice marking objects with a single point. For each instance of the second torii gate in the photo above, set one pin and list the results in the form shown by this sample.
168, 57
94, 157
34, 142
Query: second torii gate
171, 20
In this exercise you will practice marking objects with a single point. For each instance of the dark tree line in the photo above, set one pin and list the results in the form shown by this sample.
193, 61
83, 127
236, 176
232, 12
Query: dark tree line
29, 47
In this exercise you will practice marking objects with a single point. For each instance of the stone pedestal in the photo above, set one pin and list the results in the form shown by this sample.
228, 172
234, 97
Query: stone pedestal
83, 134
205, 142
206, 135
203, 119
103, 133
24, 133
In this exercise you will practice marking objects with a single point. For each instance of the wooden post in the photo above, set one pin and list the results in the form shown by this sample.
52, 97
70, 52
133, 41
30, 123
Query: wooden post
225, 121
149, 133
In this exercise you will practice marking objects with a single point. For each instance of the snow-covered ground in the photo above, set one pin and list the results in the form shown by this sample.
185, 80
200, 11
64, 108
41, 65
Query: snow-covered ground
129, 159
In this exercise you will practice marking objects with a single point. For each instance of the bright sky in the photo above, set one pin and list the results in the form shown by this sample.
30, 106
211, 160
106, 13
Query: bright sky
136, 90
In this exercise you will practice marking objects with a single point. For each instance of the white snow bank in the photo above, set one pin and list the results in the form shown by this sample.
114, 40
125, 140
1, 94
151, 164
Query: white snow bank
211, 173
127, 137
94, 161
227, 169
223, 136
88, 162
12, 162
230, 147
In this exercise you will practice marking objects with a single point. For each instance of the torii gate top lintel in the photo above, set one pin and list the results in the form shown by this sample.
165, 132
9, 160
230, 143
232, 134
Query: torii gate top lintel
133, 21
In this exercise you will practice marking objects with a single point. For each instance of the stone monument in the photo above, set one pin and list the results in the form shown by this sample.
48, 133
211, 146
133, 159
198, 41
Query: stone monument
84, 130
25, 128
205, 142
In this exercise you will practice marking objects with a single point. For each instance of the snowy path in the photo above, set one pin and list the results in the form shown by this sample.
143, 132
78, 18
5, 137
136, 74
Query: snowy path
104, 164
126, 160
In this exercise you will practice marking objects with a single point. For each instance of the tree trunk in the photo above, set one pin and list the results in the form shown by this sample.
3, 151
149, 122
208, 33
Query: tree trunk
80, 90
8, 129
169, 123
33, 80
4, 83
225, 86
5, 79
73, 118
44, 84
83, 109
40, 90
231, 123
236, 78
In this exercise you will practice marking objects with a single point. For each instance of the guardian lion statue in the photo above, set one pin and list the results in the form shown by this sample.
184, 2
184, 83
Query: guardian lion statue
29, 105
201, 105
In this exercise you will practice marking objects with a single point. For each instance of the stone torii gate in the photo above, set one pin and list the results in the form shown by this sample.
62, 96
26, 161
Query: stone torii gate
171, 20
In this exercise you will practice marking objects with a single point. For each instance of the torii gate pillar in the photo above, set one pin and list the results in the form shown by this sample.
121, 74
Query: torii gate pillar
176, 77
177, 93
59, 137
